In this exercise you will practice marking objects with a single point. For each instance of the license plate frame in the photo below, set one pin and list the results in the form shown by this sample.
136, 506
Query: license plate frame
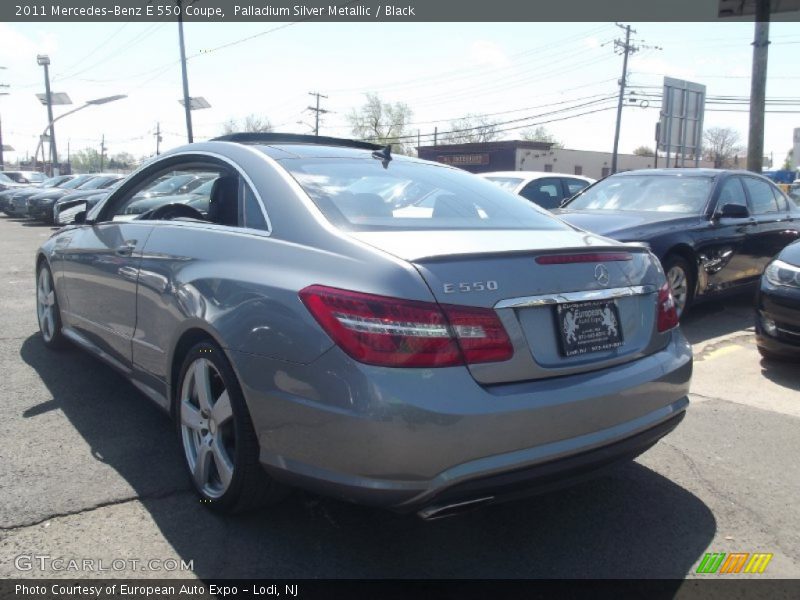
588, 327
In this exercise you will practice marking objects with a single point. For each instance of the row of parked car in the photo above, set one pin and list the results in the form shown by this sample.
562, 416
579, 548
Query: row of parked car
45, 199
716, 232
402, 333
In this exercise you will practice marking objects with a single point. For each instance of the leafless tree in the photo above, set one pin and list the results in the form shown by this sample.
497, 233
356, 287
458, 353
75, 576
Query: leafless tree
541, 134
644, 151
471, 129
382, 123
721, 145
251, 124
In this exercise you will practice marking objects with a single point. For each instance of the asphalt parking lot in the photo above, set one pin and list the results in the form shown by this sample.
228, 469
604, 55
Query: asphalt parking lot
92, 470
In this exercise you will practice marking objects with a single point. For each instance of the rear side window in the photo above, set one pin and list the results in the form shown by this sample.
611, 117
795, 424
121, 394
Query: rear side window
780, 198
365, 194
575, 185
761, 199
253, 214
544, 192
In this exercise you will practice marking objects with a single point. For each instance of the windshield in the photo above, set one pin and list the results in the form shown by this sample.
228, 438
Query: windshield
507, 183
98, 182
5, 178
171, 184
205, 189
661, 193
354, 194
78, 181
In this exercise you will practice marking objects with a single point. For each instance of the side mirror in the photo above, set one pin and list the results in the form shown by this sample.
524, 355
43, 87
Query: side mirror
733, 211
71, 212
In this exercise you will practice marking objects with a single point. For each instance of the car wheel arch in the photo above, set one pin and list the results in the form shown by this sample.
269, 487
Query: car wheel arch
191, 335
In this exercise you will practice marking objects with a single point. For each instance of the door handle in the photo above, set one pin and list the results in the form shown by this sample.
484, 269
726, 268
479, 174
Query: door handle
126, 249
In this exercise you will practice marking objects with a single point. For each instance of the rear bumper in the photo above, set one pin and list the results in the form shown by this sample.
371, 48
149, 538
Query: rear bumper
402, 438
555, 474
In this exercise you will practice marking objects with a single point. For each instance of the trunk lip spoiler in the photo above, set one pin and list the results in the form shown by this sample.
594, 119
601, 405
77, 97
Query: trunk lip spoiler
532, 252
576, 296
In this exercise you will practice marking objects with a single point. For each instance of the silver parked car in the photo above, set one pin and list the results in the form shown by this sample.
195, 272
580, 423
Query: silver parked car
450, 347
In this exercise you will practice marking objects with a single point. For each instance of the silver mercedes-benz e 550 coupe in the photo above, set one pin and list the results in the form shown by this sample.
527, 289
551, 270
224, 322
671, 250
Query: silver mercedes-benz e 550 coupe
370, 326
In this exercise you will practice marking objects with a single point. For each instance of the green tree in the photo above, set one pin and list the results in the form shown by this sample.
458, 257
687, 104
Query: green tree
644, 151
382, 123
541, 134
85, 161
121, 161
787, 164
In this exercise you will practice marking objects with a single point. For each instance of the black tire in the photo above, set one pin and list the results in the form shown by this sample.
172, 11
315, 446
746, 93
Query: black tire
51, 331
675, 261
250, 487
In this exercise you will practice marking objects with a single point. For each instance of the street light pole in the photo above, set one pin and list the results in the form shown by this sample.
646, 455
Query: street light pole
187, 104
44, 61
88, 103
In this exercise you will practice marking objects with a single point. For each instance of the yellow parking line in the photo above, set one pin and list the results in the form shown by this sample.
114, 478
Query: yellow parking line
723, 351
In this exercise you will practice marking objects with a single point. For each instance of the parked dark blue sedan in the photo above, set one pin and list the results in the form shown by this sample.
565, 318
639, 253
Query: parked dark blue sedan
713, 230
778, 306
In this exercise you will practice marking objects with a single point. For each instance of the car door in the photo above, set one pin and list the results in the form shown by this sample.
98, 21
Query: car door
773, 228
546, 192
99, 268
727, 257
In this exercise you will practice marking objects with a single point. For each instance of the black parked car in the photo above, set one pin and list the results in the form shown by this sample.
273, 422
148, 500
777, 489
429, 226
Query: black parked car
27, 190
713, 230
41, 206
778, 306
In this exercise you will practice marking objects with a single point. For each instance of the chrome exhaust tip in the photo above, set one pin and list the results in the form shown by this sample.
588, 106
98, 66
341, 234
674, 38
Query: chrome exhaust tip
442, 511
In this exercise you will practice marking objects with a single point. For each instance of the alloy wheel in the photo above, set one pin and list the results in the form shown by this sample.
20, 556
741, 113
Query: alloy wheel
45, 305
679, 284
207, 430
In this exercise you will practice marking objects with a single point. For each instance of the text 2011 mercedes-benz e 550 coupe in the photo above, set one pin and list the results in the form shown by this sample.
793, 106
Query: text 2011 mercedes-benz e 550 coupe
378, 328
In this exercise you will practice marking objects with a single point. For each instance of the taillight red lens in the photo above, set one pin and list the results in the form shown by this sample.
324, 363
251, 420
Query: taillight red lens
380, 330
667, 314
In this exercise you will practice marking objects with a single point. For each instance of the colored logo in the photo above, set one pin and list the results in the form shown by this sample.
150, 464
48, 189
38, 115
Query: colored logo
734, 562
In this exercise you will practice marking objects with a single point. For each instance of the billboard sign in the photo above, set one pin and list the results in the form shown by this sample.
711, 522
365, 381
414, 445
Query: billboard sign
680, 131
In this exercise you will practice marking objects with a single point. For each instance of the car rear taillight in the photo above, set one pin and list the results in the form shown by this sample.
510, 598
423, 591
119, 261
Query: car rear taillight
667, 314
380, 330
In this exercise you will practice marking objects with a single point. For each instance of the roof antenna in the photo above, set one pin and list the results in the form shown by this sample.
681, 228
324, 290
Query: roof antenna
384, 155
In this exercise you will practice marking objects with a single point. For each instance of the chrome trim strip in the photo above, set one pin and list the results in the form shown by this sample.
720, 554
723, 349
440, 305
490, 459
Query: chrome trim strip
583, 296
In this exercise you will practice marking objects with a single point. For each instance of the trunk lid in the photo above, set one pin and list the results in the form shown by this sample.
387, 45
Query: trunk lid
534, 300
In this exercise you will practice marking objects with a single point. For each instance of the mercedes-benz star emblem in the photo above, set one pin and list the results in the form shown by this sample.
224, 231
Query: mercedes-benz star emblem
601, 274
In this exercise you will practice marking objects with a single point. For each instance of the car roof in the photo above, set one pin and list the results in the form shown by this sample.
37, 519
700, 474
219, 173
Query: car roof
528, 175
688, 171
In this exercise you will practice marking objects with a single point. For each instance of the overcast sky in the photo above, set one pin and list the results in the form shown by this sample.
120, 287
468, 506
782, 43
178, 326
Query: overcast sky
442, 71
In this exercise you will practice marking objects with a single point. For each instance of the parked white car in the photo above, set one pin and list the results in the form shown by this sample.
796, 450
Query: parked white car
547, 190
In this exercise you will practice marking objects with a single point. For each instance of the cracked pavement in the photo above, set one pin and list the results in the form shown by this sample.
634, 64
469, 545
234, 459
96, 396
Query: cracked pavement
92, 470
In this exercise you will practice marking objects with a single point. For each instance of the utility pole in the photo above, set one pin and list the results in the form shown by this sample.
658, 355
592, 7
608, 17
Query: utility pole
102, 152
158, 138
436, 136
317, 110
758, 88
44, 61
187, 101
626, 48
2, 162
